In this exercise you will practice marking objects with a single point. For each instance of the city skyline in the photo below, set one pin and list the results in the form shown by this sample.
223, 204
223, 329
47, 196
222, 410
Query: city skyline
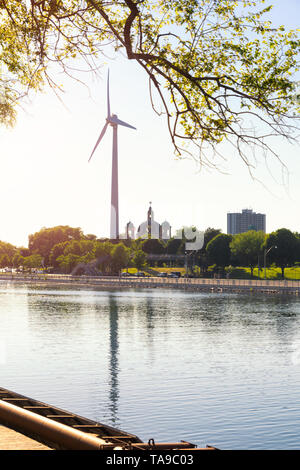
237, 222
46, 180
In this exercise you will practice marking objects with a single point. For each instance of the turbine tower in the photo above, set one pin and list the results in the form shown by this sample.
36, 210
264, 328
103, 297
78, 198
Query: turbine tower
113, 120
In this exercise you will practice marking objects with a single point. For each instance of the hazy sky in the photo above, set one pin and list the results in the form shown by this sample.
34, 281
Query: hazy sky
46, 179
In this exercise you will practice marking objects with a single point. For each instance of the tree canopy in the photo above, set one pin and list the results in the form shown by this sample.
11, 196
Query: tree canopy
153, 245
218, 249
139, 259
43, 241
283, 246
218, 70
247, 246
120, 257
7, 249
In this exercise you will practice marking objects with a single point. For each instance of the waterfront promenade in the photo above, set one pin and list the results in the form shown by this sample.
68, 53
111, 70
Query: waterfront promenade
189, 284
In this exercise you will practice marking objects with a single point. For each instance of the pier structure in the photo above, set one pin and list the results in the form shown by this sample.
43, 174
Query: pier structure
28, 424
190, 284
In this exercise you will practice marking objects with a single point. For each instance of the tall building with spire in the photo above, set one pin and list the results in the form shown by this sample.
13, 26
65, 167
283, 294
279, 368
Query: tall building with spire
150, 221
150, 228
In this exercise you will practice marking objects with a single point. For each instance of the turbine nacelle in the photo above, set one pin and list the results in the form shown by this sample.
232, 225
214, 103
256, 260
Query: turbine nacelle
114, 121
111, 119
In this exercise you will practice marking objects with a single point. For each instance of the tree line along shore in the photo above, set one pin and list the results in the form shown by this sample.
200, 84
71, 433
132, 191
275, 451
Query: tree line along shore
61, 249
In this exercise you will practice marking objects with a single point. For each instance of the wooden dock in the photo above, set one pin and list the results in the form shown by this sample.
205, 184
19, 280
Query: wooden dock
14, 440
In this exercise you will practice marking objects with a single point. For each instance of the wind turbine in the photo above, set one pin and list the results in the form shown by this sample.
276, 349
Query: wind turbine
113, 120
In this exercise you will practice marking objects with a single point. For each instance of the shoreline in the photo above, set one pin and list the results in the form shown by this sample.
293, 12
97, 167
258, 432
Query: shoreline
185, 284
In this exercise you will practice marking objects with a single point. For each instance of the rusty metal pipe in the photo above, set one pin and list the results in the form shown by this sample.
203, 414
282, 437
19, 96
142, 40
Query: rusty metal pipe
47, 429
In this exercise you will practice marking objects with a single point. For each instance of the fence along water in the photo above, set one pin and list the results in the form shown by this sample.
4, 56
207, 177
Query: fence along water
227, 285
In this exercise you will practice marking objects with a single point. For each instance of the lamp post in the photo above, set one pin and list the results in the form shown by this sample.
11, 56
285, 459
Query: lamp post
265, 257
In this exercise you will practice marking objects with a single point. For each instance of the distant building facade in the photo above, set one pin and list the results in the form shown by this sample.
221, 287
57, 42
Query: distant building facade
149, 229
240, 222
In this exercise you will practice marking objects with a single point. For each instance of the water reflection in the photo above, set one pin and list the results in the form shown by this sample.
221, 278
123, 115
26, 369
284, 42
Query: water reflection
209, 368
113, 358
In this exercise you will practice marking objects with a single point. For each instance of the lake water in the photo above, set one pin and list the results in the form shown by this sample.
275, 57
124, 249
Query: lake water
210, 368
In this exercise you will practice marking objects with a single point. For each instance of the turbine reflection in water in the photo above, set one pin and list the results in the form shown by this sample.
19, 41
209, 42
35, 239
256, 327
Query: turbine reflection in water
113, 359
206, 368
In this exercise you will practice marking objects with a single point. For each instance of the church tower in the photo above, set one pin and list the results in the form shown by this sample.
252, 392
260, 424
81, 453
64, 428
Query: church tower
149, 220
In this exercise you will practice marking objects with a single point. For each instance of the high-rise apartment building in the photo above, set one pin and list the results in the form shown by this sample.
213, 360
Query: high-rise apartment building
244, 221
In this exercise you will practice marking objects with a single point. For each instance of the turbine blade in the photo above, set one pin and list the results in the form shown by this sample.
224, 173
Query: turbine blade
115, 120
99, 139
108, 101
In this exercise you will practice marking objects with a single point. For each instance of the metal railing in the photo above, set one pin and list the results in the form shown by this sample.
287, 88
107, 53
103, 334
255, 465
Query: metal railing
155, 281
